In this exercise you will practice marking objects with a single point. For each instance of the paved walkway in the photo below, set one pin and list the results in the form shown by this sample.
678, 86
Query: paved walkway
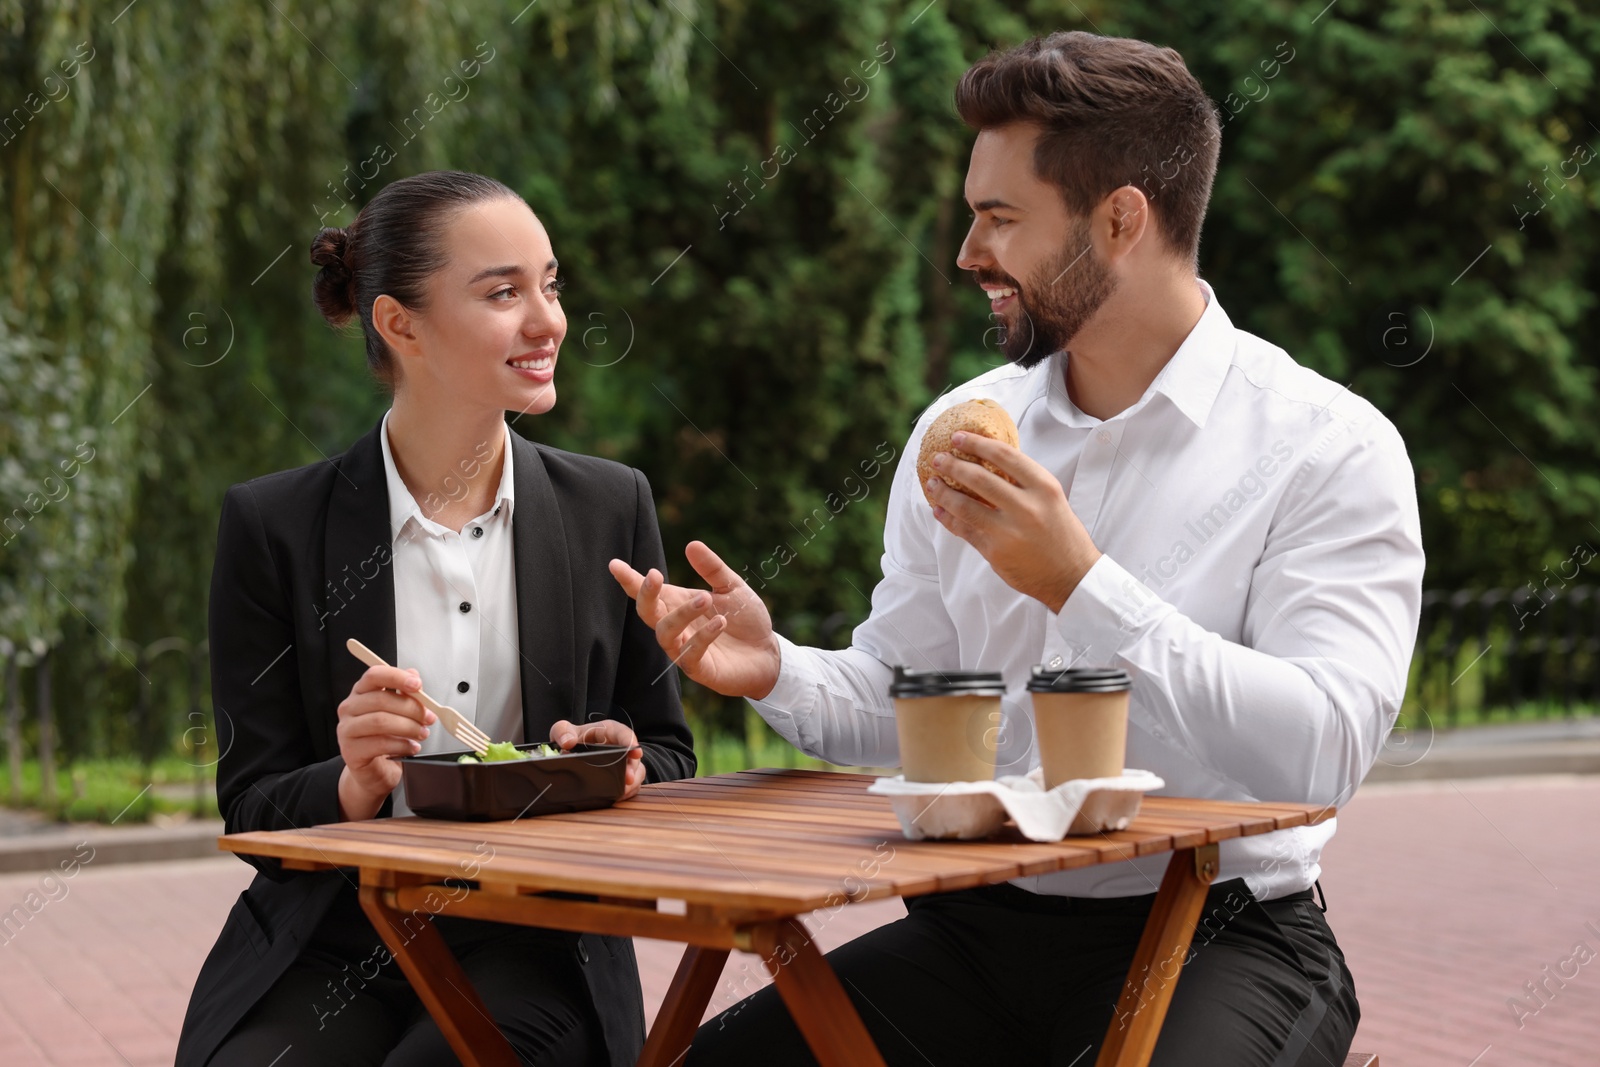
1452, 901
1450, 898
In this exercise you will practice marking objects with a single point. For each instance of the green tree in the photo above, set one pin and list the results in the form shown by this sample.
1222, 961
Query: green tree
761, 239
1409, 207
734, 242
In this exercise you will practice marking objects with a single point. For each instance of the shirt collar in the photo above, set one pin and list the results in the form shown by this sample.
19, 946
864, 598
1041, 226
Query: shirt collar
1193, 376
403, 507
1191, 379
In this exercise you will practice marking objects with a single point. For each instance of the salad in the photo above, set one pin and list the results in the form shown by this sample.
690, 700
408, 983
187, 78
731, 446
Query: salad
501, 751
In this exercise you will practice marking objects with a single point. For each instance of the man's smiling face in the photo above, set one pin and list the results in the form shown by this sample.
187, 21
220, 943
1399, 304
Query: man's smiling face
1032, 256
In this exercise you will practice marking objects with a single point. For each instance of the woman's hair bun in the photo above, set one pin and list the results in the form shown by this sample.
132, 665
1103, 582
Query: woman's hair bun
334, 287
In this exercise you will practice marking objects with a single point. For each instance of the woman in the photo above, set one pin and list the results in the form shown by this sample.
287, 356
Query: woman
476, 563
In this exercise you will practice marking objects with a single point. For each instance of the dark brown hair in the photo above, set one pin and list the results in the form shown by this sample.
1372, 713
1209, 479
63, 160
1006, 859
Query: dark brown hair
391, 248
1114, 111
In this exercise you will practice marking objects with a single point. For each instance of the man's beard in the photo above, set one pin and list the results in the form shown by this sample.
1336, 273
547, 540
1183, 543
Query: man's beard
1058, 300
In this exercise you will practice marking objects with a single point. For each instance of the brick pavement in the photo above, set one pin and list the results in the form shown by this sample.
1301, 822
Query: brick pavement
1448, 898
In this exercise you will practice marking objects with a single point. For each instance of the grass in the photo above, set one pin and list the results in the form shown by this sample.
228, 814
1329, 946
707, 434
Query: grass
103, 790
1528, 711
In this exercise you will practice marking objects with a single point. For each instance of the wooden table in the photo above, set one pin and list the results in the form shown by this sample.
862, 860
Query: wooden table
747, 855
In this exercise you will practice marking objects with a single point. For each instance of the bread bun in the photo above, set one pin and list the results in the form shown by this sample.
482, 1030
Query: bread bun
974, 416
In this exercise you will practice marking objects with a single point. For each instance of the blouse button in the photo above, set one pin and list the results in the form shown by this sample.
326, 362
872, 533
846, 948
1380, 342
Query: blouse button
465, 607
462, 687
477, 531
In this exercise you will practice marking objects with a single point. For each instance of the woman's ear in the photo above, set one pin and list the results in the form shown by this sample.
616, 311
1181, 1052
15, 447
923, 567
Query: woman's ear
395, 325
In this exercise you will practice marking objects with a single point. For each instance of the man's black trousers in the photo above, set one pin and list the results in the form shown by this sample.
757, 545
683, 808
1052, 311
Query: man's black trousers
999, 975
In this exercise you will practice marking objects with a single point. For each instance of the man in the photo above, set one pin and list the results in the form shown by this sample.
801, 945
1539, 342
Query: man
1235, 531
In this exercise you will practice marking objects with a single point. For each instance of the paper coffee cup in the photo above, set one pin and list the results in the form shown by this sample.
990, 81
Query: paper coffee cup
948, 723
1080, 722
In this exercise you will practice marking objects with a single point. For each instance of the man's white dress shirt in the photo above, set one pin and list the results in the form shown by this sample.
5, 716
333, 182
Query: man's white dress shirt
455, 608
1261, 582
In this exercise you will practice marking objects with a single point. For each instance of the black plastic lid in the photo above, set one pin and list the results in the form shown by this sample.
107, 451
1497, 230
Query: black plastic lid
910, 682
1079, 680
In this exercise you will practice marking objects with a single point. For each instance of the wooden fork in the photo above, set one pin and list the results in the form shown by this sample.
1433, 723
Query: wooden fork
449, 717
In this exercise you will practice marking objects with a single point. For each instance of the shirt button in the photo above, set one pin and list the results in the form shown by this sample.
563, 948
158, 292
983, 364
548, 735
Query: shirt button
465, 607
462, 687
1055, 662
1105, 437
583, 952
477, 531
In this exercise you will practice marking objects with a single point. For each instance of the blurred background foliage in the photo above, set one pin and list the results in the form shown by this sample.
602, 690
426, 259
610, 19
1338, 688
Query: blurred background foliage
758, 206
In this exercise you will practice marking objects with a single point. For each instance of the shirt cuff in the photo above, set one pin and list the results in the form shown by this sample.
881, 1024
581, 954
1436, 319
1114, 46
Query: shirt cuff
794, 686
1105, 611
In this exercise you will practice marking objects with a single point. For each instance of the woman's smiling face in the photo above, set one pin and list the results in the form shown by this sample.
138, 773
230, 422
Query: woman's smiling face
493, 323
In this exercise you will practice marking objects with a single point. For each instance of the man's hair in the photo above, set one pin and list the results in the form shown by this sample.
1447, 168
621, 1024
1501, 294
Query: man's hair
1113, 111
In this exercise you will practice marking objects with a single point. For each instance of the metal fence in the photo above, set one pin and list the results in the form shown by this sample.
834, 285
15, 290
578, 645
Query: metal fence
1536, 651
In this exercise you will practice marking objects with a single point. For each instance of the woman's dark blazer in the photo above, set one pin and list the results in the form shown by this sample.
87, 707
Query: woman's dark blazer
302, 565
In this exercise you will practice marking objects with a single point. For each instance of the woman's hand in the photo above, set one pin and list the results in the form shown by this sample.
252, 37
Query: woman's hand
564, 735
380, 718
731, 647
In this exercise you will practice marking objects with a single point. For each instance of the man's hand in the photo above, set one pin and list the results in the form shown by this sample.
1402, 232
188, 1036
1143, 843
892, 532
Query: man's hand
380, 718
564, 735
1031, 537
722, 639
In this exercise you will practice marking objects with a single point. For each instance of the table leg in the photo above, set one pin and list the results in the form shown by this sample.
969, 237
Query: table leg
816, 1000
687, 997
1142, 1008
440, 983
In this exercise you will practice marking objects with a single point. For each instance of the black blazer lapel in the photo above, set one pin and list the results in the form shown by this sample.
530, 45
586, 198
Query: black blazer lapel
544, 597
357, 598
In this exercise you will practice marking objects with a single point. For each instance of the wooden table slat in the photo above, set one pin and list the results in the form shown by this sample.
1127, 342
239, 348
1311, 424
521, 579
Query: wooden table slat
948, 853
763, 839
828, 869
818, 785
915, 867
888, 827
735, 821
801, 773
754, 824
788, 895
